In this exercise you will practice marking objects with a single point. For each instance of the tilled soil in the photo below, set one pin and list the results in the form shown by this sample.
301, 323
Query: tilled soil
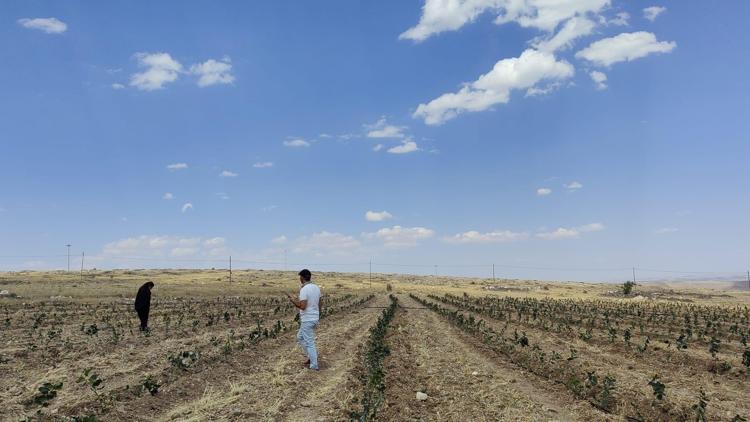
462, 381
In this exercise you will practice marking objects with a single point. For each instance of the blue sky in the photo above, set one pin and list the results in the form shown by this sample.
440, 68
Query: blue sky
599, 135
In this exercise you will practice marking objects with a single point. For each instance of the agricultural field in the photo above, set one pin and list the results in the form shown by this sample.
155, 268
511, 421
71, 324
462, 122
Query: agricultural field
392, 347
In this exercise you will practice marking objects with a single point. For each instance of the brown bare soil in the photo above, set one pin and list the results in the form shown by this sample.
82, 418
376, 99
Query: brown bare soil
248, 366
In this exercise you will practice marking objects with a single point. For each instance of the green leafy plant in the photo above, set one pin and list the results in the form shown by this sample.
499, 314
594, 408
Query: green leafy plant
606, 396
713, 346
627, 287
184, 360
91, 330
658, 387
700, 407
92, 380
46, 393
149, 384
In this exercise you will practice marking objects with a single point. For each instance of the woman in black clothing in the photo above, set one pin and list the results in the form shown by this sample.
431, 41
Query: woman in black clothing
143, 304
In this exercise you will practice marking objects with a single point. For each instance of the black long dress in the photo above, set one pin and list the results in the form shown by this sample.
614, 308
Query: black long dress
143, 304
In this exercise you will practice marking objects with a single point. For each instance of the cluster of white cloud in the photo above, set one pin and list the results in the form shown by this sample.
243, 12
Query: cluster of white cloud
177, 166
47, 25
652, 12
562, 22
161, 69
473, 236
263, 165
624, 47
168, 196
377, 215
620, 19
187, 207
325, 243
599, 78
406, 147
296, 143
227, 173
495, 87
154, 246
543, 191
212, 72
384, 130
398, 236
570, 233
571, 187
449, 15
381, 129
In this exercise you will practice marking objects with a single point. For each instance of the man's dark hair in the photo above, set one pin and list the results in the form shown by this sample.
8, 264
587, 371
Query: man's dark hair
305, 274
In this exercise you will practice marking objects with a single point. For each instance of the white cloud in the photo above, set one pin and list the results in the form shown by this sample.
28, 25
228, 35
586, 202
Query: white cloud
161, 69
570, 233
572, 29
495, 86
398, 236
212, 72
449, 15
168, 196
223, 196
215, 246
187, 206
48, 25
177, 166
406, 147
543, 191
227, 173
377, 147
296, 143
381, 129
154, 246
624, 47
269, 208
599, 78
573, 186
621, 19
279, 240
118, 86
652, 12
263, 165
377, 216
666, 230
535, 91
326, 243
473, 236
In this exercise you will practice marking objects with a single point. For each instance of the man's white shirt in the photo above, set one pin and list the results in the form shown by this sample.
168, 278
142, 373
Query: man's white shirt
311, 293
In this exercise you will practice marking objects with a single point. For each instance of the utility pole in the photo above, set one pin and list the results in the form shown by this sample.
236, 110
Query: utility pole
68, 245
493, 273
83, 256
230, 268
633, 275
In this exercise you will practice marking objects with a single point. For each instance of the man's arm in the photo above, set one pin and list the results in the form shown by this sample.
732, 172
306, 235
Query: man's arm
299, 304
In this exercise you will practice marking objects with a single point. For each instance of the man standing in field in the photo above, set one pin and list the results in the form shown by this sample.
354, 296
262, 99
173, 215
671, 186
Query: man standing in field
309, 314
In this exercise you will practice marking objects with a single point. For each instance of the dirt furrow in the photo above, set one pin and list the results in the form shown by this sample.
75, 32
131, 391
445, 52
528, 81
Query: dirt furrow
277, 386
462, 381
